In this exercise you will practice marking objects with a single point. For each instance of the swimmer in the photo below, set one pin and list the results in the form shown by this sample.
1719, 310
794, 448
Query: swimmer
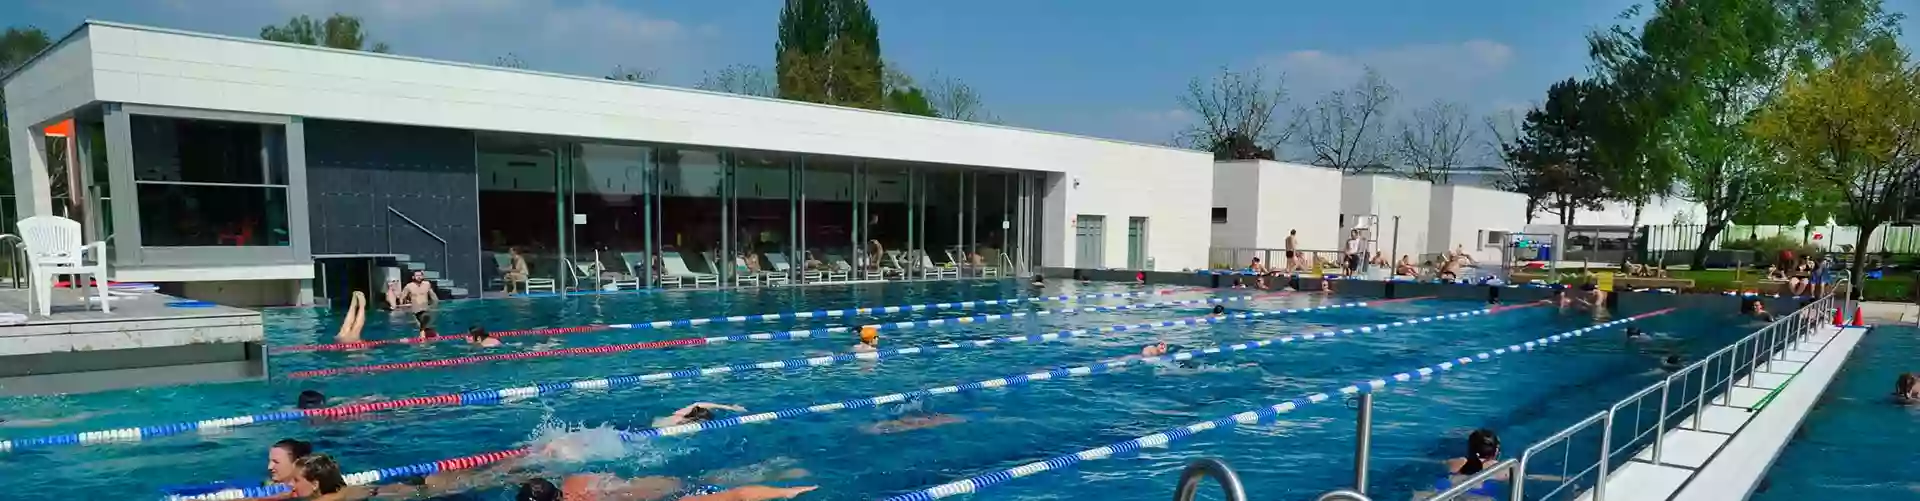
910, 423
42, 423
281, 458
697, 412
1483, 450
1237, 284
1154, 350
1673, 363
601, 486
1219, 310
1039, 281
1906, 389
1634, 334
869, 339
356, 319
480, 337
310, 399
1759, 311
317, 477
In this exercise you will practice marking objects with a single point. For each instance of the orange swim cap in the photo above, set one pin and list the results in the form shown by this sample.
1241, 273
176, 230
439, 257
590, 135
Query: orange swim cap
869, 333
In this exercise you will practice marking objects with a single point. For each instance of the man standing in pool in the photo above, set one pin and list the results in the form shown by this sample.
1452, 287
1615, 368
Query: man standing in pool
420, 299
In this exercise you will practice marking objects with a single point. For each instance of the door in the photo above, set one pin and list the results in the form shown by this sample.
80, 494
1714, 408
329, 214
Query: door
1136, 243
1090, 242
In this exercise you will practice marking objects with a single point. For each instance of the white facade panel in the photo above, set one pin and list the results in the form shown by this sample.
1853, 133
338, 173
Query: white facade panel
1236, 188
1299, 197
1390, 198
1171, 188
1462, 213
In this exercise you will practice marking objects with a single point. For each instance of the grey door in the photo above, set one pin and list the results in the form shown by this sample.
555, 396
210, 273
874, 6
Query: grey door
1136, 243
1090, 239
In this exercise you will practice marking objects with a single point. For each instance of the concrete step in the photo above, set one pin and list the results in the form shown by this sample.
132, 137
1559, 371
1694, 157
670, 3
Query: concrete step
457, 292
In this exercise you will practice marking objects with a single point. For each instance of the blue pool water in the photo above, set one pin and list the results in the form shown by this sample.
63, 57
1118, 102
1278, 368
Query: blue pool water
1525, 396
1856, 444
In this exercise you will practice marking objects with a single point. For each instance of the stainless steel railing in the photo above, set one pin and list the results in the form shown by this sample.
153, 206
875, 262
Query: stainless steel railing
446, 262
17, 261
1696, 385
1190, 479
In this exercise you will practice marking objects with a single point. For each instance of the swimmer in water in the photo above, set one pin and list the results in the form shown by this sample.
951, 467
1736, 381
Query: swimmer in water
1154, 350
1906, 389
1219, 310
1039, 281
1759, 311
42, 423
1673, 362
910, 423
607, 487
310, 399
1483, 450
869, 340
317, 477
699, 411
1634, 334
281, 458
356, 319
480, 337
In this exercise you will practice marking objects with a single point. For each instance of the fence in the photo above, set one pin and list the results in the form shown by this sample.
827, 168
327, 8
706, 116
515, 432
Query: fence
1891, 239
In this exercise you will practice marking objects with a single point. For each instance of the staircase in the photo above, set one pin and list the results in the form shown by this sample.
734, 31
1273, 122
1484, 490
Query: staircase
442, 286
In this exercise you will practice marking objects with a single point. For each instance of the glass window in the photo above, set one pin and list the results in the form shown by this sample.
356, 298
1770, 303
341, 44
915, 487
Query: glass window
828, 231
693, 219
763, 216
886, 231
209, 183
519, 210
611, 194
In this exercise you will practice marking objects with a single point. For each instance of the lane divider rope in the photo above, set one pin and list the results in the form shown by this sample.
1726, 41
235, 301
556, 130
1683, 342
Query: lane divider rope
1255, 416
761, 317
689, 342
373, 476
492, 396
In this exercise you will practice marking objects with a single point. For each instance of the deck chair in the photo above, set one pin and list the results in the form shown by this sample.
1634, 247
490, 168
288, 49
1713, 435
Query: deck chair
784, 265
960, 262
501, 261
53, 248
744, 276
782, 274
582, 273
637, 268
677, 270
937, 271
839, 270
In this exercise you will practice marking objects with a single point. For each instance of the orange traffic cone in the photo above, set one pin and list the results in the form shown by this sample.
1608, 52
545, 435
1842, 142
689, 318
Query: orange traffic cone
1839, 318
1857, 322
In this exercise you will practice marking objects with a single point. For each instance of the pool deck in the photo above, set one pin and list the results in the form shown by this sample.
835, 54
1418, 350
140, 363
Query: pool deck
1739, 434
143, 342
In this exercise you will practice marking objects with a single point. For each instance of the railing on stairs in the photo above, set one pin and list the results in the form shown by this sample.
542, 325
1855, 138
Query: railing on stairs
445, 256
1198, 471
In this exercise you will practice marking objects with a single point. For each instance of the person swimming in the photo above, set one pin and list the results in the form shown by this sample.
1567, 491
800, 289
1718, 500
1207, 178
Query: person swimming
697, 412
913, 422
480, 337
355, 320
1673, 362
1219, 310
310, 399
1906, 389
602, 486
869, 339
1635, 334
1039, 281
281, 457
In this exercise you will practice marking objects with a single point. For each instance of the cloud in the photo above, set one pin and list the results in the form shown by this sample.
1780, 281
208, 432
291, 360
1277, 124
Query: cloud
1455, 71
587, 37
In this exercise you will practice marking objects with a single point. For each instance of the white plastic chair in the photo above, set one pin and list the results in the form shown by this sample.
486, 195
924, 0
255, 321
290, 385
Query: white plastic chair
53, 249
677, 268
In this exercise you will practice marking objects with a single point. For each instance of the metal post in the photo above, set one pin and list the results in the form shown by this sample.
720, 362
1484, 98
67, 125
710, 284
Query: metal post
1363, 442
1395, 251
1606, 456
1660, 424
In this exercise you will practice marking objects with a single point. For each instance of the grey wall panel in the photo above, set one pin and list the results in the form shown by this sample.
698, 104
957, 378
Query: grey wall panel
355, 171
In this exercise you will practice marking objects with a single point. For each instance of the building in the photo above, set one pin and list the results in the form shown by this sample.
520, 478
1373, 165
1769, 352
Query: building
254, 172
1257, 203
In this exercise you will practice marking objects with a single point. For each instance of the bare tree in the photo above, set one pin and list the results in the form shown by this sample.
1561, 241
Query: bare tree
744, 79
511, 60
1236, 115
1344, 129
954, 99
640, 75
1434, 142
1503, 128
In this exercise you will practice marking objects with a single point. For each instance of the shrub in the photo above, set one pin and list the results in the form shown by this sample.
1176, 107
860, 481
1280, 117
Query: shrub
1767, 249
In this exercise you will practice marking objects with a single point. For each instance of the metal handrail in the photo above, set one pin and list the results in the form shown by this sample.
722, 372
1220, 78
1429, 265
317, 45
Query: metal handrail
1739, 359
1343, 495
446, 261
1468, 485
1209, 467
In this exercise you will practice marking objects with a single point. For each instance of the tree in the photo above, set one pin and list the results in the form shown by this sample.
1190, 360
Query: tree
1343, 130
638, 75
1554, 153
828, 51
510, 60
1621, 121
1503, 128
339, 31
1434, 143
956, 100
1852, 128
1713, 65
904, 97
744, 79
17, 46
1236, 113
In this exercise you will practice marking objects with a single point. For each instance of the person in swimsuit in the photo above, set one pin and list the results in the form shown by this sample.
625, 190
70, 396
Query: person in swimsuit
1294, 262
356, 318
869, 340
1219, 310
1039, 281
1906, 389
515, 273
480, 337
281, 458
606, 487
395, 299
317, 477
910, 423
697, 412
420, 299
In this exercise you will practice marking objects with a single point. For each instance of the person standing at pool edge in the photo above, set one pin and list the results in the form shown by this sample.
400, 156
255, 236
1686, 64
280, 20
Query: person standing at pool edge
421, 299
1293, 251
1355, 247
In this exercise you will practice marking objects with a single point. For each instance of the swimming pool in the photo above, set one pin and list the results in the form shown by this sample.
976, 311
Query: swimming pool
1846, 447
1525, 396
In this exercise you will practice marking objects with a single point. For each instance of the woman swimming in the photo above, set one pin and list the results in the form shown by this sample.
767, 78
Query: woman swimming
602, 486
697, 412
1906, 389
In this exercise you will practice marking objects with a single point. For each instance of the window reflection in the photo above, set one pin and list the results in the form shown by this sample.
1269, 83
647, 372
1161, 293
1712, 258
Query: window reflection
209, 183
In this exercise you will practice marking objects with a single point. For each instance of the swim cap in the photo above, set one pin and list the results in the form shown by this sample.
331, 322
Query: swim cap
869, 333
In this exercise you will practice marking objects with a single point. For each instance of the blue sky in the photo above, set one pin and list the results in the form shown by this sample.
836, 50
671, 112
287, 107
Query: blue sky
1110, 68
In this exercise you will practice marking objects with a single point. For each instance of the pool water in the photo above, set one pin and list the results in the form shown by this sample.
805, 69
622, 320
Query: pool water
1856, 444
1525, 395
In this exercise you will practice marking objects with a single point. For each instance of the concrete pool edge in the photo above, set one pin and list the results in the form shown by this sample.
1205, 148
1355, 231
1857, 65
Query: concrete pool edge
1734, 446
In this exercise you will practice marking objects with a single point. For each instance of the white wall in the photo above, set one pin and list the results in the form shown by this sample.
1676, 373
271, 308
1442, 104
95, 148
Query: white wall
1171, 188
1460, 213
1299, 197
1389, 197
1236, 186
43, 92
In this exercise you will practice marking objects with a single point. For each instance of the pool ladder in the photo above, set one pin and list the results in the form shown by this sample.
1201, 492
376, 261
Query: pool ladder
1199, 470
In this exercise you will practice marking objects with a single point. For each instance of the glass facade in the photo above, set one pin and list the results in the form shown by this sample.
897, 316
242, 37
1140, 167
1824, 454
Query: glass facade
205, 183
603, 216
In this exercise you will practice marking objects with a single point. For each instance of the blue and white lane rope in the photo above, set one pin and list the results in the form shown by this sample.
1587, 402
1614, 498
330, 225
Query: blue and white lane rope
672, 343
1255, 416
762, 317
142, 433
374, 476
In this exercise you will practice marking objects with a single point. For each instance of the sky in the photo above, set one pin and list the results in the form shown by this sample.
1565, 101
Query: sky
1107, 68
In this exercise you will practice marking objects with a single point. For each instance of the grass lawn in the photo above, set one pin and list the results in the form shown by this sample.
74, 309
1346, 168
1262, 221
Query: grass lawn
1895, 287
